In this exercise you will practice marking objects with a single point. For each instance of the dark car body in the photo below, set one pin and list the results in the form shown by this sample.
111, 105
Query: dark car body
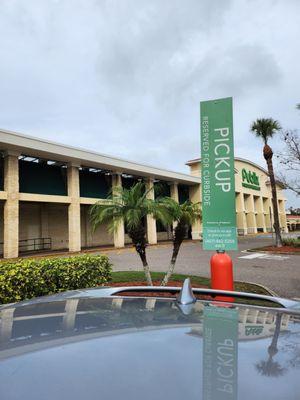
99, 344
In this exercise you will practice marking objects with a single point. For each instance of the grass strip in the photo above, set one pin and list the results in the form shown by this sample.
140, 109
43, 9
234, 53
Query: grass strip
138, 276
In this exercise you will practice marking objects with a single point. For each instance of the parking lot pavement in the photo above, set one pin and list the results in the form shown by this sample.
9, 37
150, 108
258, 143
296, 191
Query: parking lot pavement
281, 273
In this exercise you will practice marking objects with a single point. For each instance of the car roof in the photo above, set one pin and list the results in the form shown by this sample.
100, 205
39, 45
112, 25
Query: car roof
84, 345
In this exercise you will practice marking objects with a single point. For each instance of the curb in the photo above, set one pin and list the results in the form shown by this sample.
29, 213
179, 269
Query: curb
271, 252
104, 249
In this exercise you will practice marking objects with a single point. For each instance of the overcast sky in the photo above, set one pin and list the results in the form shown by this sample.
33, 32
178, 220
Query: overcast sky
126, 77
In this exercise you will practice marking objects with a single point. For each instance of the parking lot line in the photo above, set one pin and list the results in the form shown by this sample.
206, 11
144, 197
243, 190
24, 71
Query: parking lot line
265, 256
253, 255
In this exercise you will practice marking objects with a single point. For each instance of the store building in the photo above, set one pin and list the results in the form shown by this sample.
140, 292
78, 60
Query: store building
293, 222
254, 209
46, 190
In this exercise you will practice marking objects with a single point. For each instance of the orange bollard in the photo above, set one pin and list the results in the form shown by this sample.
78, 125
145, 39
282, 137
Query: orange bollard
221, 274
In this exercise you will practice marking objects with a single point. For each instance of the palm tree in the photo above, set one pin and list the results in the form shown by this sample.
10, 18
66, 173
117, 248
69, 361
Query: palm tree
265, 128
131, 206
271, 367
184, 215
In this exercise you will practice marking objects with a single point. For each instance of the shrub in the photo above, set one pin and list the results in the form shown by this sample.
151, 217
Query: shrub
27, 278
294, 242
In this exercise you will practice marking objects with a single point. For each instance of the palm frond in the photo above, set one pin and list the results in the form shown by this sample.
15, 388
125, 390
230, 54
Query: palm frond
161, 210
190, 212
265, 128
133, 218
172, 207
270, 368
133, 205
105, 214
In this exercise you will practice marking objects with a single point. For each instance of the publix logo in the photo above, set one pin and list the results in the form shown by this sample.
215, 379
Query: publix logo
250, 180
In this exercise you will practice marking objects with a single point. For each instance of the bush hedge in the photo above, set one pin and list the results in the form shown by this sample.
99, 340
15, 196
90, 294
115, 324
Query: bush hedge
27, 278
294, 242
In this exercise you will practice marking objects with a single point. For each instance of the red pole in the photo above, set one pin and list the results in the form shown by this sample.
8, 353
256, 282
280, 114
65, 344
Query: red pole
221, 273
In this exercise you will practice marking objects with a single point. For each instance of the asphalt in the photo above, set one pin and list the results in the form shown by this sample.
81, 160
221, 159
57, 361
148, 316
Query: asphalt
280, 273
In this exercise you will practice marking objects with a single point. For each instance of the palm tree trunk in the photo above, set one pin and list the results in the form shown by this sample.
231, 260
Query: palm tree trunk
179, 235
138, 237
176, 247
274, 202
146, 268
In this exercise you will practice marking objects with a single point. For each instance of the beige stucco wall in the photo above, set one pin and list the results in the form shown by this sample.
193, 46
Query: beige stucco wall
29, 222
34, 217
161, 236
195, 169
90, 238
293, 222
265, 189
38, 220
58, 225
252, 206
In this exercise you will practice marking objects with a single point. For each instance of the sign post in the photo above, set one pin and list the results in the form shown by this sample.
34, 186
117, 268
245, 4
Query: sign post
217, 166
218, 185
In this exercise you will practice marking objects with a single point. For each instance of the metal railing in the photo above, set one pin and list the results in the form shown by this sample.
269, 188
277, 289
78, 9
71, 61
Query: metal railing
35, 244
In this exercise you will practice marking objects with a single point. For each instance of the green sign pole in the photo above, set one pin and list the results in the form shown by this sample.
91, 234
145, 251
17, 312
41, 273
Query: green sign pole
217, 171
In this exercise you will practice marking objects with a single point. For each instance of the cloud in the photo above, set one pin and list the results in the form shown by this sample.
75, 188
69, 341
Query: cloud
126, 77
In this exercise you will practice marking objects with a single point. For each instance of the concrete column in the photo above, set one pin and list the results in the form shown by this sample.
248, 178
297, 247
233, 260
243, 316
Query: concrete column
74, 209
174, 191
260, 214
117, 303
88, 228
119, 234
11, 205
283, 223
282, 215
69, 317
151, 222
195, 197
269, 218
241, 215
251, 219
266, 213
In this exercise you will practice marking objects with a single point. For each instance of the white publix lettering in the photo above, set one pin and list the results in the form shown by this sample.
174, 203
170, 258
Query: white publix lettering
225, 368
222, 149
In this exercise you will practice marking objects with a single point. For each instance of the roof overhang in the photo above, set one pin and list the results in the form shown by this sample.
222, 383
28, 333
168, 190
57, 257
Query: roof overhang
198, 160
36, 147
279, 183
